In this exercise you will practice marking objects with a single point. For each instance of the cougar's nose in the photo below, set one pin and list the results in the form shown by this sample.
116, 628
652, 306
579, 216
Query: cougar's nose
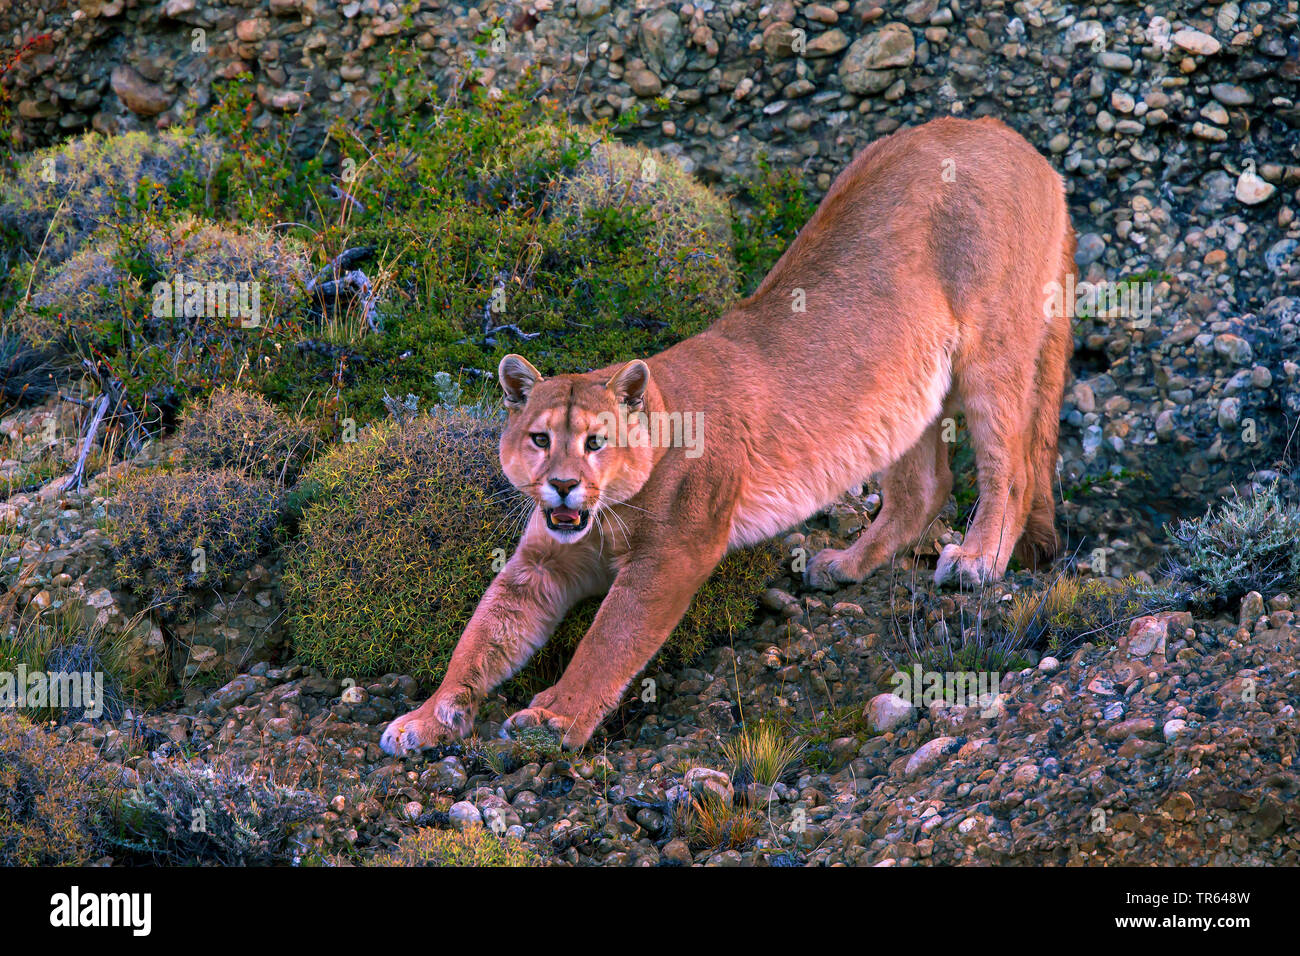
563, 486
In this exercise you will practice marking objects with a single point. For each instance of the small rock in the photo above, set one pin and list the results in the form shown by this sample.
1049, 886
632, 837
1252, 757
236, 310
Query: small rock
464, 815
1194, 41
702, 780
1252, 190
1252, 609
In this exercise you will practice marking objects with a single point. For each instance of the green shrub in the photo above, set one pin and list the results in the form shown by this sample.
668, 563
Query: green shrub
96, 291
1248, 543
398, 543
194, 812
510, 225
261, 179
242, 431
476, 846
50, 797
777, 208
94, 176
683, 218
172, 534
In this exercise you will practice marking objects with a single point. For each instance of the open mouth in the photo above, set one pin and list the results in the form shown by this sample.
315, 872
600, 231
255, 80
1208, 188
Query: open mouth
566, 519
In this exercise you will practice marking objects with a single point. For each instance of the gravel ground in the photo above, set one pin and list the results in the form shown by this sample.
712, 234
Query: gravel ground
1175, 745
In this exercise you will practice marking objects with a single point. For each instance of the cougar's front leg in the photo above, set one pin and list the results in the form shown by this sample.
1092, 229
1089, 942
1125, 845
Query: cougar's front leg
648, 598
517, 615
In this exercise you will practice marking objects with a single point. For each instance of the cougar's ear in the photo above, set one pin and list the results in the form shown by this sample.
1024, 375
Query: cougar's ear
517, 377
629, 383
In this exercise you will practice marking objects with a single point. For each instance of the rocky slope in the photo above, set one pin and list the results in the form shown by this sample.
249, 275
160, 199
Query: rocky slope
1176, 126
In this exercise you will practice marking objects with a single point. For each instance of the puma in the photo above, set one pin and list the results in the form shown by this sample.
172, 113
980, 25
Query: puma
917, 289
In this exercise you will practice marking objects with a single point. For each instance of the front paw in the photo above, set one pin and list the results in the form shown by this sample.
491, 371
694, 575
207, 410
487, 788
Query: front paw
829, 570
574, 731
437, 721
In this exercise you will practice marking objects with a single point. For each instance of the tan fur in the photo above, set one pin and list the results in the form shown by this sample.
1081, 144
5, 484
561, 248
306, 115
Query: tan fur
924, 272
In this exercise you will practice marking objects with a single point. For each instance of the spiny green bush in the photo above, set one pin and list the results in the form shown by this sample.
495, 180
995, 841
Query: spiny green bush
91, 177
173, 534
476, 846
242, 431
396, 545
51, 797
399, 542
1248, 543
189, 813
685, 220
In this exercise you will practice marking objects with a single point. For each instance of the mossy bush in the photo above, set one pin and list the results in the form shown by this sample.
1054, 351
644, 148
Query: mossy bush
174, 534
1248, 543
683, 219
476, 846
74, 188
403, 533
242, 431
117, 298
51, 797
396, 545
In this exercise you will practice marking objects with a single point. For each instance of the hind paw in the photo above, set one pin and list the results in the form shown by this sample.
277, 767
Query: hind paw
964, 569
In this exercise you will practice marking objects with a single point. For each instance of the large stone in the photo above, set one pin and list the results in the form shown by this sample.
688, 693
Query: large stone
662, 42
644, 82
703, 781
140, 96
887, 712
827, 44
1252, 190
890, 47
930, 754
778, 40
463, 815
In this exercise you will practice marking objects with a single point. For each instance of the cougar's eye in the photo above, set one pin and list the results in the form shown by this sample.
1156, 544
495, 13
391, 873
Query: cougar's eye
541, 439
595, 442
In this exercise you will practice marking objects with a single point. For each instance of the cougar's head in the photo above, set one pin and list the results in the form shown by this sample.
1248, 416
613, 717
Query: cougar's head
574, 443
